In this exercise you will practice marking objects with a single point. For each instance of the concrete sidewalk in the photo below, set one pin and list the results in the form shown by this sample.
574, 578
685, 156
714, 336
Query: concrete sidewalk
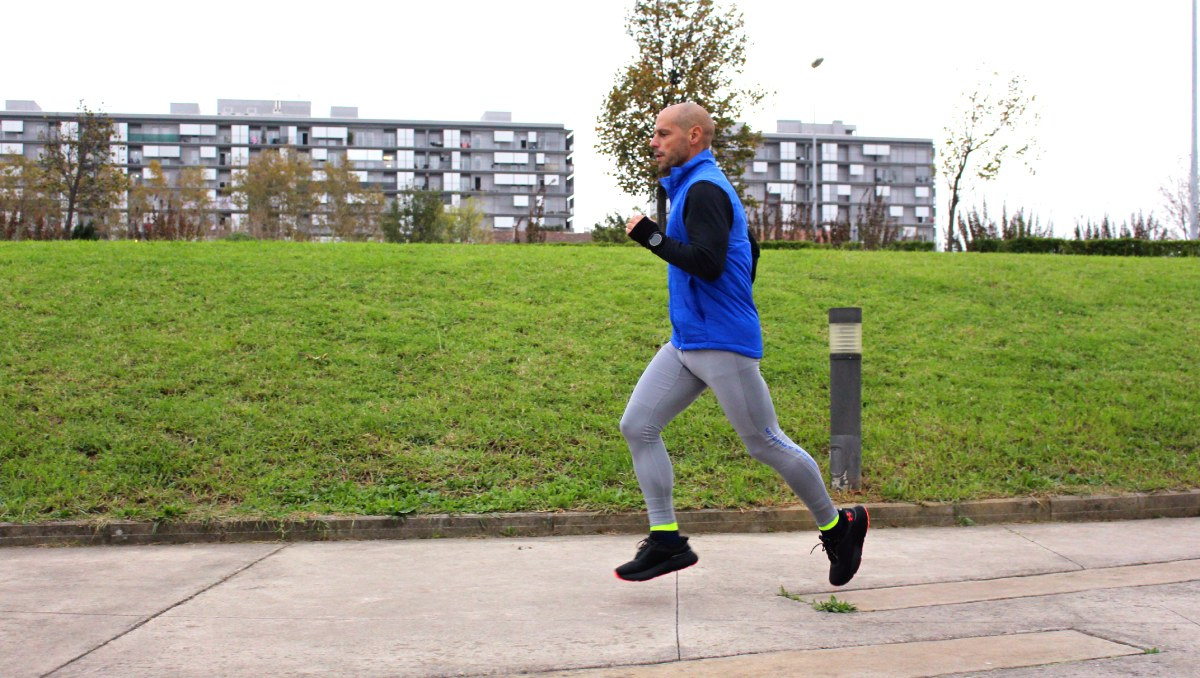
1057, 599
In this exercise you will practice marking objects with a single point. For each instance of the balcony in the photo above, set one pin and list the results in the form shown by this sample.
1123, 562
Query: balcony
135, 137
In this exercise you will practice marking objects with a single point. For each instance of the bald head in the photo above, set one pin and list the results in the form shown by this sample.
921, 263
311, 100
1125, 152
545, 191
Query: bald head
681, 132
689, 115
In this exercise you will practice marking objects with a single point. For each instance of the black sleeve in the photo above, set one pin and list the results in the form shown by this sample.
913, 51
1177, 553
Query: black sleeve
754, 252
708, 217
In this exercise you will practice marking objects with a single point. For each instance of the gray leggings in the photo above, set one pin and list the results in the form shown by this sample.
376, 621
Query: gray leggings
671, 382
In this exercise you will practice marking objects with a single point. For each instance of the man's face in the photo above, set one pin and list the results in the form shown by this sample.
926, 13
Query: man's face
670, 143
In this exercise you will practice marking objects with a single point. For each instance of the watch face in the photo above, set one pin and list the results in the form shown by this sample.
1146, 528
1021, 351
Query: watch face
655, 239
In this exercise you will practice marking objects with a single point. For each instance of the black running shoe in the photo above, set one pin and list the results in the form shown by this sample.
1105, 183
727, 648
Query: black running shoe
845, 551
655, 559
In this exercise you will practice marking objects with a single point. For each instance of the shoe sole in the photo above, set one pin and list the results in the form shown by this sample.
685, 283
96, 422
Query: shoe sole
676, 563
865, 530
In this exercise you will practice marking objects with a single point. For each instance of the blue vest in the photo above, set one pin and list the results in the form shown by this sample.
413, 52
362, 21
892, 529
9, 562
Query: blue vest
721, 314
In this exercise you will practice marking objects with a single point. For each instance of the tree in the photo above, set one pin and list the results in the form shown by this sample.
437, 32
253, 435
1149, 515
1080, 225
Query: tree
195, 204
1139, 227
687, 51
159, 210
535, 232
151, 205
392, 223
352, 209
876, 228
1177, 195
465, 222
977, 225
423, 216
985, 135
27, 210
77, 169
278, 193
612, 229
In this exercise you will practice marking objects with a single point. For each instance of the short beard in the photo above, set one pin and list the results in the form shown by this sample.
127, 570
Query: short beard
670, 164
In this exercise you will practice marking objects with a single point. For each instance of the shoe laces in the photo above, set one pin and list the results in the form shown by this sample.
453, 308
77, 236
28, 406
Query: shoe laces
827, 545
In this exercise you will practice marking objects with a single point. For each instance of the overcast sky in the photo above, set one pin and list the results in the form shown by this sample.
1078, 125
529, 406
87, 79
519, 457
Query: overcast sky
1112, 80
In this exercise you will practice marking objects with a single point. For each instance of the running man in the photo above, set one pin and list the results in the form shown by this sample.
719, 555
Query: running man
716, 342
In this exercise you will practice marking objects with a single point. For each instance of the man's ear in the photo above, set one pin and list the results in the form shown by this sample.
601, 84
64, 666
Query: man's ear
695, 135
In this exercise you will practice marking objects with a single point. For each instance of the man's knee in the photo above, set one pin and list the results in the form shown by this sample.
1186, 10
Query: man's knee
637, 427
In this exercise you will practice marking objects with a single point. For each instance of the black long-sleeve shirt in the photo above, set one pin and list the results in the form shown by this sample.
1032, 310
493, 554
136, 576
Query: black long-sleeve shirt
708, 218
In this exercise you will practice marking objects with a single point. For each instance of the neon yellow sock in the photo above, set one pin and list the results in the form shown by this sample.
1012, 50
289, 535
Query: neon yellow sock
670, 527
830, 526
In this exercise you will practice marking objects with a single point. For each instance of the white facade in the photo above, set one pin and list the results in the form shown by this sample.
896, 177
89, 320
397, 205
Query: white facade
825, 174
494, 161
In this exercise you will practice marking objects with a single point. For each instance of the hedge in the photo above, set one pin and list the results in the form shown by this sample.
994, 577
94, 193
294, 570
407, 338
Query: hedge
1118, 247
900, 246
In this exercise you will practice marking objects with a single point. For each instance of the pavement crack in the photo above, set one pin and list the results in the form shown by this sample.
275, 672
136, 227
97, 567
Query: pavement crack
165, 610
1043, 546
1180, 614
678, 644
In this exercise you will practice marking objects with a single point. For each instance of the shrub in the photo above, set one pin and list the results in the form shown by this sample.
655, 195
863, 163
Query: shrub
1115, 247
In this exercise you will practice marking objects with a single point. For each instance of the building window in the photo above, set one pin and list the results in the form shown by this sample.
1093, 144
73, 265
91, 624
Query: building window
922, 191
760, 166
787, 150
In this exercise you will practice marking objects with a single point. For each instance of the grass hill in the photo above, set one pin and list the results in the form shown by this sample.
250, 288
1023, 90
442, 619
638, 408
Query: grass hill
160, 380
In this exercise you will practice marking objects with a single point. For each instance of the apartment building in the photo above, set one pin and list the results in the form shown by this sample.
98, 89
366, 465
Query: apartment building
511, 168
825, 173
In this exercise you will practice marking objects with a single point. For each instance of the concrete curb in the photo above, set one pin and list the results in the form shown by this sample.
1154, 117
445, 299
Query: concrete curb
989, 511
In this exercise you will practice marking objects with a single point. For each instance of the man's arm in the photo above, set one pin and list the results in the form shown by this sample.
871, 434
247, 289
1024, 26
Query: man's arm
708, 217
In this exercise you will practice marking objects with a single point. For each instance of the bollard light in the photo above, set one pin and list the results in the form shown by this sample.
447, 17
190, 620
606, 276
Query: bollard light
845, 398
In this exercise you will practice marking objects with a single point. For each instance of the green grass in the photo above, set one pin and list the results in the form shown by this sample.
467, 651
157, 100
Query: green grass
171, 380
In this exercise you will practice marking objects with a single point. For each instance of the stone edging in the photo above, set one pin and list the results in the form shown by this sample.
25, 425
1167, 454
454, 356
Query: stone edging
989, 511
